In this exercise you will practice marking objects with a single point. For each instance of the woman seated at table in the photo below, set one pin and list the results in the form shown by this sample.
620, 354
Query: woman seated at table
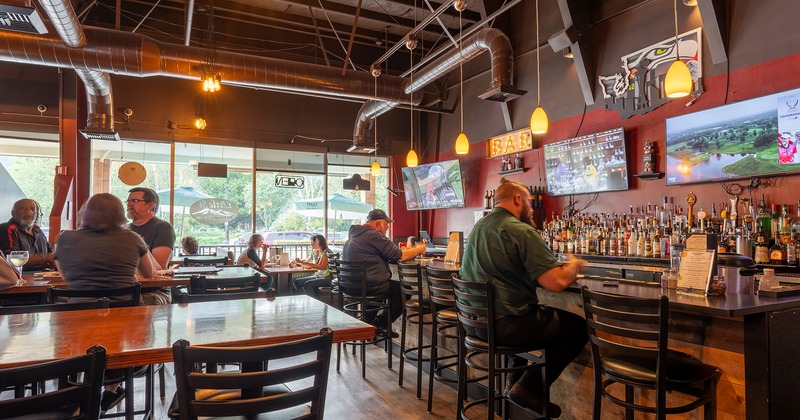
250, 255
317, 260
102, 253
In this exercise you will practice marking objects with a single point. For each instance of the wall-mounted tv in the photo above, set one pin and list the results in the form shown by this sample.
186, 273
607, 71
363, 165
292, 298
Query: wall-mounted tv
750, 138
434, 186
587, 164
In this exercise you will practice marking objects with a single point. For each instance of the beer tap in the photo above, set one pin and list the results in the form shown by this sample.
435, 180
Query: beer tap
691, 199
734, 206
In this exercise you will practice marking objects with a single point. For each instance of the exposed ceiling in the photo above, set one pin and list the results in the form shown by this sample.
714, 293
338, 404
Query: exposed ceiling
315, 31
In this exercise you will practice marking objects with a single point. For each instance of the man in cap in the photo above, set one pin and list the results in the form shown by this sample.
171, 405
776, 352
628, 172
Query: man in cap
369, 243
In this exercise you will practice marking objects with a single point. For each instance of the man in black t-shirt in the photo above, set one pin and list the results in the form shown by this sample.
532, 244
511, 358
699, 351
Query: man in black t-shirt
157, 234
21, 233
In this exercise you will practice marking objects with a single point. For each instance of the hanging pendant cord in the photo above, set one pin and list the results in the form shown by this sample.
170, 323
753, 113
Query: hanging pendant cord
538, 78
461, 66
675, 10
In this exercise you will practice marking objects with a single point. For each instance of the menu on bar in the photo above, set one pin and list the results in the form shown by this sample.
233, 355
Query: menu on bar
695, 272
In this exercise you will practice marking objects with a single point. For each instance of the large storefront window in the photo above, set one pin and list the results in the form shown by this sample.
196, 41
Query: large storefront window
26, 171
343, 203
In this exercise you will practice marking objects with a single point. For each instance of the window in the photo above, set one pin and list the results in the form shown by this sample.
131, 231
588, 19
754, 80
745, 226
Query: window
27, 168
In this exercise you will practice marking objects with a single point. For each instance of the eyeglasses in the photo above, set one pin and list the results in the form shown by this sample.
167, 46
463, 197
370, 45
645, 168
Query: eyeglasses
137, 200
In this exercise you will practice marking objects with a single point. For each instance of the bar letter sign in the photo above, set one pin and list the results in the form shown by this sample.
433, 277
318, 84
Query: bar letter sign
509, 143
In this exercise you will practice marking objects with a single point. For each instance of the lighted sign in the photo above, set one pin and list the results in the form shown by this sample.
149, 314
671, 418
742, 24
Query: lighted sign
213, 211
290, 181
509, 143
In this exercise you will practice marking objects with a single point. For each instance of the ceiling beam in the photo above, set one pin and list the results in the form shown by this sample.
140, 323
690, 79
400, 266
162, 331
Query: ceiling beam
576, 15
713, 13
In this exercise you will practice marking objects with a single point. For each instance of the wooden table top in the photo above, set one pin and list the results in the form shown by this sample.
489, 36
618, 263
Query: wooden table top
277, 270
142, 335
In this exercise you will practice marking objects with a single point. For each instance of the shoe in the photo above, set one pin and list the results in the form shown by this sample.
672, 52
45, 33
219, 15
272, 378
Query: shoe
382, 333
110, 399
525, 395
511, 379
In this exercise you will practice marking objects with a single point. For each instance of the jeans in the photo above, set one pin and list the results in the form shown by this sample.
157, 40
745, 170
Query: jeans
310, 285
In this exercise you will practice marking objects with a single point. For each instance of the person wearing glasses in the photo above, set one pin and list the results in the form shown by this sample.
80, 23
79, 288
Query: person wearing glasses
22, 233
158, 234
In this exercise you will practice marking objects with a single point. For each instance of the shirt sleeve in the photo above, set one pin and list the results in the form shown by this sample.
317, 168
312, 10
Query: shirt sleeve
142, 247
536, 256
5, 237
165, 236
253, 255
387, 248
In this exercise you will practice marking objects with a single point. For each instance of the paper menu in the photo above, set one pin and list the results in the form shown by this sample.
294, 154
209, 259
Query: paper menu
695, 272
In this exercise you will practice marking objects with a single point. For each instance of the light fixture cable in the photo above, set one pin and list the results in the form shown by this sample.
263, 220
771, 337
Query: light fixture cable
539, 121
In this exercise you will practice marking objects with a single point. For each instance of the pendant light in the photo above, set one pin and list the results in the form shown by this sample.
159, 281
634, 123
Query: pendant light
462, 142
376, 167
678, 81
411, 158
539, 117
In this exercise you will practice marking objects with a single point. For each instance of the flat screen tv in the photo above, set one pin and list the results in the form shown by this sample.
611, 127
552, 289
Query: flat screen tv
434, 186
752, 138
587, 164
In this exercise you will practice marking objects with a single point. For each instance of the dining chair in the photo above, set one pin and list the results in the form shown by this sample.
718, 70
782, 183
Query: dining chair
629, 339
101, 303
256, 388
444, 328
479, 352
73, 392
196, 262
202, 285
356, 301
213, 297
118, 297
416, 311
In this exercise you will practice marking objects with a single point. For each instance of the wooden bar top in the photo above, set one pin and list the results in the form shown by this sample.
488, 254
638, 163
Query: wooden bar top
143, 335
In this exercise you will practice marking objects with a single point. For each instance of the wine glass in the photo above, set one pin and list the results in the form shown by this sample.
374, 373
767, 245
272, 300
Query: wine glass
18, 259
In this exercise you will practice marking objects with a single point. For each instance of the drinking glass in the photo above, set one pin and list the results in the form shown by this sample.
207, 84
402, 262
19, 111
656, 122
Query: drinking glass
18, 259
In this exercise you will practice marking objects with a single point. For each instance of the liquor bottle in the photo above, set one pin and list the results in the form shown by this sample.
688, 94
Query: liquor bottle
761, 248
648, 245
639, 243
632, 243
613, 243
540, 196
486, 200
775, 224
777, 254
656, 244
763, 216
491, 199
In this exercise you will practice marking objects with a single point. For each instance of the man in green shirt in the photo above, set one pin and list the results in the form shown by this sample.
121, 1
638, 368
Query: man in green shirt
505, 248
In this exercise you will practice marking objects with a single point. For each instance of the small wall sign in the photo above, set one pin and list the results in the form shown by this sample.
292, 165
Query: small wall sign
509, 143
290, 181
213, 211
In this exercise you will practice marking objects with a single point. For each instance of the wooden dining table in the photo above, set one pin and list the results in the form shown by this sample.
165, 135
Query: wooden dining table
283, 276
142, 335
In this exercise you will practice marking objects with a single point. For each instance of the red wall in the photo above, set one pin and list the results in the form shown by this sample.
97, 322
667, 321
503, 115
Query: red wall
480, 174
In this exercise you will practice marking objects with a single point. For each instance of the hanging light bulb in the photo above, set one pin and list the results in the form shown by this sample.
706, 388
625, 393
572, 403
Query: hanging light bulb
199, 122
539, 117
678, 81
462, 142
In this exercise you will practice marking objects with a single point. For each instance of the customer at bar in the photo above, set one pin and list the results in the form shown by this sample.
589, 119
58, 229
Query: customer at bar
505, 248
22, 233
369, 243
250, 255
318, 260
158, 234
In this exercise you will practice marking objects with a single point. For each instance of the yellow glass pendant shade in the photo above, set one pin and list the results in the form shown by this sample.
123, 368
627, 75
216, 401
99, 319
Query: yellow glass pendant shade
678, 82
539, 121
462, 144
376, 168
411, 159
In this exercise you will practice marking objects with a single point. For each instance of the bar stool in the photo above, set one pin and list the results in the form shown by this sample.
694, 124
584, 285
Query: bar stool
415, 308
635, 354
358, 303
444, 326
476, 314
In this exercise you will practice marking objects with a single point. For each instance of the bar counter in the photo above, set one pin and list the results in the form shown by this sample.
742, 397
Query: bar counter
752, 340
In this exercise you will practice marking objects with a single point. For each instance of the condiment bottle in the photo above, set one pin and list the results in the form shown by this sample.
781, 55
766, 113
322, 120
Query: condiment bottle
768, 280
665, 279
673, 279
717, 286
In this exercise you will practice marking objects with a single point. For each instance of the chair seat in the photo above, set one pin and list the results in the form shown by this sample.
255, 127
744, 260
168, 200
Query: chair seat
682, 369
483, 346
53, 415
414, 305
447, 316
234, 394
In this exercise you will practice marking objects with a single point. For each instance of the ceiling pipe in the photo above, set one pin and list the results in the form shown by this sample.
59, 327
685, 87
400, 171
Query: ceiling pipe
100, 107
492, 40
189, 17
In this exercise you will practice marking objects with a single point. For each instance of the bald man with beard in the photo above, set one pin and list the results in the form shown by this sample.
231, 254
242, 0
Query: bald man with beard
21, 233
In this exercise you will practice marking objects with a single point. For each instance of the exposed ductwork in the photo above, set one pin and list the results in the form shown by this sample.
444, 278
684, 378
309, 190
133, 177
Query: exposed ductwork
100, 107
491, 39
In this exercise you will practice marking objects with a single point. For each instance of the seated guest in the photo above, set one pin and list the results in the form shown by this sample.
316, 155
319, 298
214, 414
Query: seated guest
189, 245
102, 254
250, 255
21, 233
318, 260
369, 243
157, 234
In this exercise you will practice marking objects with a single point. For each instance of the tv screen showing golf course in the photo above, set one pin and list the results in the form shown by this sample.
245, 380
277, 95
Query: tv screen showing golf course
752, 138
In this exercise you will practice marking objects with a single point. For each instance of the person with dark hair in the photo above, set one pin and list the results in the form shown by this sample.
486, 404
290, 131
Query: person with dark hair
189, 245
318, 260
250, 255
158, 234
21, 233
505, 248
369, 243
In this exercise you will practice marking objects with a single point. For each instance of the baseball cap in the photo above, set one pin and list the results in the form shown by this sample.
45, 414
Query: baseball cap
378, 214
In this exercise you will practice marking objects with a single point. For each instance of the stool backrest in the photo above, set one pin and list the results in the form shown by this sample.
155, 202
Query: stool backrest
475, 305
213, 297
440, 287
202, 285
121, 296
199, 262
71, 392
353, 275
632, 326
254, 376
411, 285
333, 266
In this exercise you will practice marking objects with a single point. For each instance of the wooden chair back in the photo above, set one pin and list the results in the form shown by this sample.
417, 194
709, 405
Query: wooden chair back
119, 297
199, 262
202, 285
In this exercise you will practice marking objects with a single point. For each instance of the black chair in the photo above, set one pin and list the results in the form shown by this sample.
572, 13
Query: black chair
187, 298
476, 315
256, 388
77, 387
444, 327
632, 350
197, 262
101, 303
332, 261
119, 297
202, 285
415, 308
356, 301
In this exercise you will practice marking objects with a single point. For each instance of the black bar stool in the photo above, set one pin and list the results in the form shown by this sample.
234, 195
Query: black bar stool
415, 308
444, 328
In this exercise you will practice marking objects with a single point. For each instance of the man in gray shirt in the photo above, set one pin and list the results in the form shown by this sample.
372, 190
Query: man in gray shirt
157, 234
